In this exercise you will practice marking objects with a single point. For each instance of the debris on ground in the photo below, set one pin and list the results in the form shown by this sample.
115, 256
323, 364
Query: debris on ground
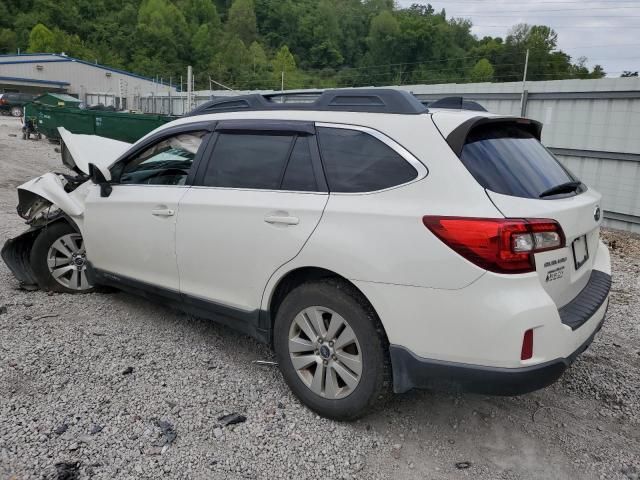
127, 371
463, 465
96, 429
60, 429
231, 419
169, 433
67, 470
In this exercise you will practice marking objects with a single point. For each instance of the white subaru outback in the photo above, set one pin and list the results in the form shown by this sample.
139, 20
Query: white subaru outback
375, 243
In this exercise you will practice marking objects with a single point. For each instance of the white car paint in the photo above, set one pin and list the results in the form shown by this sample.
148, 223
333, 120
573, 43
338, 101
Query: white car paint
86, 149
217, 246
247, 234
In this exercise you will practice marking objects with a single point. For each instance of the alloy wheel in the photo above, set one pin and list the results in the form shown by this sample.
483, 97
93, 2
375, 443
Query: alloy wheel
66, 260
325, 352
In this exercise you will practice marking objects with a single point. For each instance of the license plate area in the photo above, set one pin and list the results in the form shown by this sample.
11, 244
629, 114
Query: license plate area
580, 251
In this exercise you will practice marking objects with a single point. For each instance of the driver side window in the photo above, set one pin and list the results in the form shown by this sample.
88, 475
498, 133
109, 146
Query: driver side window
164, 163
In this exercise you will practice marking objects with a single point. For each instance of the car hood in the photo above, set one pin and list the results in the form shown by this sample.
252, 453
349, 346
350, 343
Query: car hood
78, 151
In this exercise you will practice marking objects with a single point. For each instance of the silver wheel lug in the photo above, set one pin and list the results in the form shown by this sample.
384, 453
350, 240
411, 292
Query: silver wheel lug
325, 362
331, 344
334, 357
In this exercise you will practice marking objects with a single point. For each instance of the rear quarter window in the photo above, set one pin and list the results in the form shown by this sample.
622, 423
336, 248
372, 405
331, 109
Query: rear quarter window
509, 160
355, 161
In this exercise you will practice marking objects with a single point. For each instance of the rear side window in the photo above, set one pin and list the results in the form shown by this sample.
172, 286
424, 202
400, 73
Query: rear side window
248, 161
355, 161
509, 160
299, 175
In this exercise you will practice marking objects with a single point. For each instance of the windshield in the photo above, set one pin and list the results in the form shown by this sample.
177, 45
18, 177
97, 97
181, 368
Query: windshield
509, 160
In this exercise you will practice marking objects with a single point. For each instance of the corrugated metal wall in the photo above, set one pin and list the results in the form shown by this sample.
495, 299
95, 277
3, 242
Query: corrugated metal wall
593, 126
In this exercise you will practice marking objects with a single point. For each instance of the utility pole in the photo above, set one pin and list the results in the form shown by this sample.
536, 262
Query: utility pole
282, 82
523, 98
189, 87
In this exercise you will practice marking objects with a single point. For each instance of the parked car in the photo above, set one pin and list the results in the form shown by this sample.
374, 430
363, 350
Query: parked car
376, 244
13, 103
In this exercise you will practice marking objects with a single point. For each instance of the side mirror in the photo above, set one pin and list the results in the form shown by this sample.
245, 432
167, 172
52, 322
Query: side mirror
98, 178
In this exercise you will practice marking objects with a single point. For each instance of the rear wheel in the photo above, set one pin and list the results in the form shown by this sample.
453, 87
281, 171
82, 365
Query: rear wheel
332, 350
16, 111
58, 259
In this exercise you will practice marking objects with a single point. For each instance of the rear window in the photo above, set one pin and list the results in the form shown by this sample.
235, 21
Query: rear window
509, 160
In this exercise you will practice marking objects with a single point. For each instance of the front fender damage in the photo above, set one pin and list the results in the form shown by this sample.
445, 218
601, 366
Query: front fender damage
42, 201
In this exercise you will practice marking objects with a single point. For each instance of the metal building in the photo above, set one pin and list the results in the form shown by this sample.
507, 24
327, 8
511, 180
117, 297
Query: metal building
90, 82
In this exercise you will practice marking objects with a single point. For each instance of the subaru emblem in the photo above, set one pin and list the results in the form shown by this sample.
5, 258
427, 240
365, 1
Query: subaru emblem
596, 214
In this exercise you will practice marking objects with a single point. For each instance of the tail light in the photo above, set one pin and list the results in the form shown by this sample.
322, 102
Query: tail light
501, 245
3, 101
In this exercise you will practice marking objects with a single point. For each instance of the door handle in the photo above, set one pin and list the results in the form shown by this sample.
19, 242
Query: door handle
163, 212
282, 220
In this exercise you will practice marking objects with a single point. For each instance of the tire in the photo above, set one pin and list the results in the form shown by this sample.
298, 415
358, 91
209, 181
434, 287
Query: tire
58, 261
16, 111
326, 384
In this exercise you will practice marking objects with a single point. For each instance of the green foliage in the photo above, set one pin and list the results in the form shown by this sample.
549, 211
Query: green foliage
242, 21
482, 71
247, 44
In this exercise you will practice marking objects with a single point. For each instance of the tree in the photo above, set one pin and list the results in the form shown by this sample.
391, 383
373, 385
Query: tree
284, 64
332, 42
482, 71
8, 40
41, 40
162, 35
242, 21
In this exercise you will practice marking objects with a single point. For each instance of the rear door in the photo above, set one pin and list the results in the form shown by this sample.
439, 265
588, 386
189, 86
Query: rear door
524, 180
258, 197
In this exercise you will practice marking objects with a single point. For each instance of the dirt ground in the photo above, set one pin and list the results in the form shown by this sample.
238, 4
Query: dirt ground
69, 405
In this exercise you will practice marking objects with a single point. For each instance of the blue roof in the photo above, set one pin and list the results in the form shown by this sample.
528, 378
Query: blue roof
34, 80
64, 58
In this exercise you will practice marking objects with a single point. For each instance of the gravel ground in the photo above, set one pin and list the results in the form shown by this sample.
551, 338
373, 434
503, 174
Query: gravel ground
113, 386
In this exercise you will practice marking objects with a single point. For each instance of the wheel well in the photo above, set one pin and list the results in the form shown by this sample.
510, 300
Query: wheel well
302, 275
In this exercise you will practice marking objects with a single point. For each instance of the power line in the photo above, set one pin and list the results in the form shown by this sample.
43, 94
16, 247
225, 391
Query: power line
563, 26
568, 9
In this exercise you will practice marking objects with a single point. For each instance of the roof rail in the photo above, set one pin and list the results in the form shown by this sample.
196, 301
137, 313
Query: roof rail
375, 100
455, 103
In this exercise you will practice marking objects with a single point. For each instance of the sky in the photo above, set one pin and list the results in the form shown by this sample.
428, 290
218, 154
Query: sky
607, 32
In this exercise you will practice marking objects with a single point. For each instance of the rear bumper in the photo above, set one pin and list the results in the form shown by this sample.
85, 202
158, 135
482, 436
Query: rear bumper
411, 371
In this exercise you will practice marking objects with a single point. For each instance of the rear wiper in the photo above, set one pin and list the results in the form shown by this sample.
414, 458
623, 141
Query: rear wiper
562, 188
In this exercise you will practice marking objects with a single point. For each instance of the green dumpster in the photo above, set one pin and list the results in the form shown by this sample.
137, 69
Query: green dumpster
126, 127
58, 100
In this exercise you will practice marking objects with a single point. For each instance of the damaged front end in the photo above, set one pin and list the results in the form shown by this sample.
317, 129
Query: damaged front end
57, 197
41, 202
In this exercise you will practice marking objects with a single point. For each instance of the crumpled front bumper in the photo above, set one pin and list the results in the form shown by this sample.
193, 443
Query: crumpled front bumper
16, 253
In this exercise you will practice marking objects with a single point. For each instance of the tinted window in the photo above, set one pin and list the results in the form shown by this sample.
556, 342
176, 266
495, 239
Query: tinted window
355, 161
165, 163
248, 161
299, 175
506, 159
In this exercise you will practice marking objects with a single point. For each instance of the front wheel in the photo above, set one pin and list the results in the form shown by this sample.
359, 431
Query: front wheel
332, 350
58, 260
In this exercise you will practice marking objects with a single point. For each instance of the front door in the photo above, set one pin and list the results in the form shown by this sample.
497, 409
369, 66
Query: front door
131, 233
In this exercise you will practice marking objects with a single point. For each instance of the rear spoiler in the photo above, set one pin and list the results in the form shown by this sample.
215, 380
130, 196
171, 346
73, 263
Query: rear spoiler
458, 137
